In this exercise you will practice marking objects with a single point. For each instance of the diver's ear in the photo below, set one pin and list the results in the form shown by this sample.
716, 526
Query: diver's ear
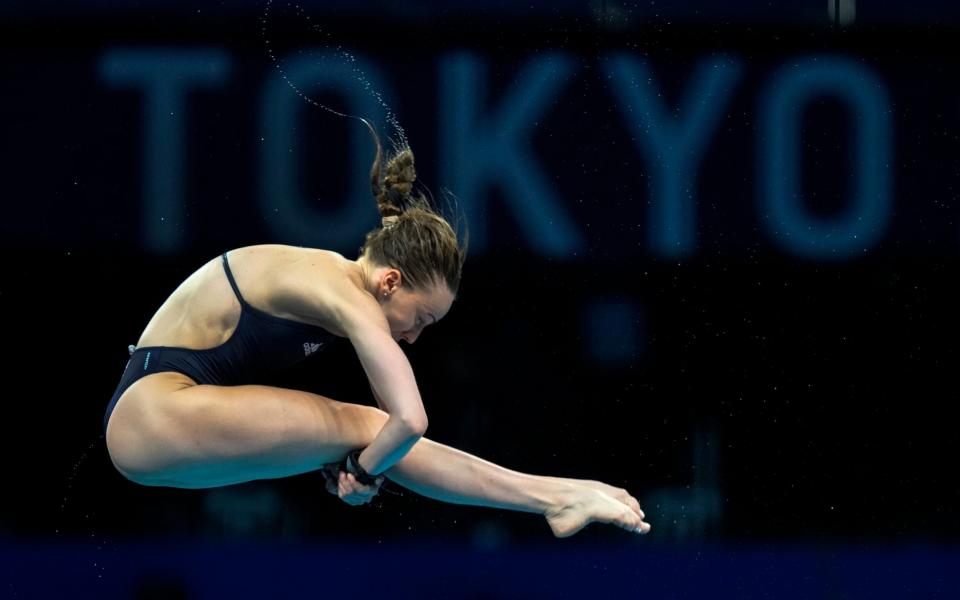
392, 279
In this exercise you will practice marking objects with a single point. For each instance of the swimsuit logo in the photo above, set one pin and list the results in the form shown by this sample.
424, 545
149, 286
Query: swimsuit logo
309, 348
146, 362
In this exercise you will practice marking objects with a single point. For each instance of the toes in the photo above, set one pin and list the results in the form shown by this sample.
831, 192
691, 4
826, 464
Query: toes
624, 496
640, 526
633, 522
633, 504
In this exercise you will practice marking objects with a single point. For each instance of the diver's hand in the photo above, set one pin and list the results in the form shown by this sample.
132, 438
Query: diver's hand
346, 487
330, 474
352, 491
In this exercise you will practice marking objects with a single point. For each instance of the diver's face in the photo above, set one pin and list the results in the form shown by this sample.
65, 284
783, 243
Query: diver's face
409, 313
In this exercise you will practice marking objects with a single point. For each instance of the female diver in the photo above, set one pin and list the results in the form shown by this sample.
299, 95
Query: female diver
188, 412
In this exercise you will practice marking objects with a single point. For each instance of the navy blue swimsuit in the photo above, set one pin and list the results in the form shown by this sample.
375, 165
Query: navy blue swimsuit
261, 344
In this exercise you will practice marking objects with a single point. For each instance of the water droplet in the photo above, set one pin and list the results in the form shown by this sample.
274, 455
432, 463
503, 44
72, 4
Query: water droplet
401, 138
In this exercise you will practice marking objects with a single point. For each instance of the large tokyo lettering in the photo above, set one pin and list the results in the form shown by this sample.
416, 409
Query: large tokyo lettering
779, 201
165, 76
485, 141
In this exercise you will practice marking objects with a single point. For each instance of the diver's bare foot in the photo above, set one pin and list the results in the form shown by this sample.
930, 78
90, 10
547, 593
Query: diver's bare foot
582, 505
617, 493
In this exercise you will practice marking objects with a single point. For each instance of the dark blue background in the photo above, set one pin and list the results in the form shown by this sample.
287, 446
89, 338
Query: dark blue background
780, 408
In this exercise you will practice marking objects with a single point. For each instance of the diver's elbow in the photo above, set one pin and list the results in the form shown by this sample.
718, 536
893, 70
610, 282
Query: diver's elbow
417, 426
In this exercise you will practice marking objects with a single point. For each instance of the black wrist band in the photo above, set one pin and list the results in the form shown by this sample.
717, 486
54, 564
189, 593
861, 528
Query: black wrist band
352, 464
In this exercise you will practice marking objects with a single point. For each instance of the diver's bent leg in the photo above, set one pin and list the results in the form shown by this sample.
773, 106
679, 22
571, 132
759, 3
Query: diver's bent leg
207, 436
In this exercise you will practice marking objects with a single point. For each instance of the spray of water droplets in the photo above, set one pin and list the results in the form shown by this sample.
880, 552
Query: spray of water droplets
400, 139
73, 475
98, 566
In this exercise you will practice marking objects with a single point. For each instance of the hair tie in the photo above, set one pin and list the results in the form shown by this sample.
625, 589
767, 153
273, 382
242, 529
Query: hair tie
390, 221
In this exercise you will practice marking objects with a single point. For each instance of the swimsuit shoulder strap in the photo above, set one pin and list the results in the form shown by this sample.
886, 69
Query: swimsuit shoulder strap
233, 283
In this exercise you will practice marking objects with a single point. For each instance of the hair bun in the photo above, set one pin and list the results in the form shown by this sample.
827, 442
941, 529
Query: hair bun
392, 185
397, 187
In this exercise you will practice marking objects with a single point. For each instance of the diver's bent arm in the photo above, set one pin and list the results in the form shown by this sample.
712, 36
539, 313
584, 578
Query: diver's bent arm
377, 398
392, 382
354, 313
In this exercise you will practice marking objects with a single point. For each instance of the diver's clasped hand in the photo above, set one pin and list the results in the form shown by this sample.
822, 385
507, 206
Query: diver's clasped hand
345, 485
